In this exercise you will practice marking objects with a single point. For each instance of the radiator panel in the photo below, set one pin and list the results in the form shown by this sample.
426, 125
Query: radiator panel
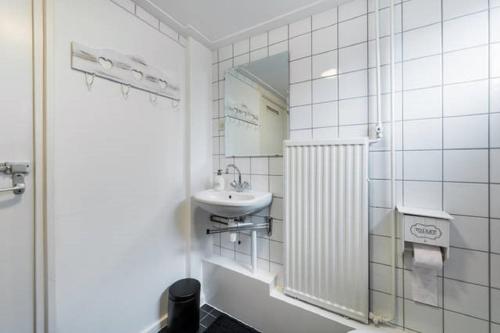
326, 224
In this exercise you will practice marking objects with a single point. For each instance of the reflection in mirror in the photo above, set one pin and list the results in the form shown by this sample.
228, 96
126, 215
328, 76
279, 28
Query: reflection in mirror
256, 107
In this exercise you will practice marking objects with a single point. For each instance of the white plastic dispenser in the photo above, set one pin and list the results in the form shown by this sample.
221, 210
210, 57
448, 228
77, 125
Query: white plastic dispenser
219, 183
426, 235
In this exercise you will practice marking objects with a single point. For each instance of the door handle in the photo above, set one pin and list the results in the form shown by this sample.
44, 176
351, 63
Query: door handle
18, 170
18, 189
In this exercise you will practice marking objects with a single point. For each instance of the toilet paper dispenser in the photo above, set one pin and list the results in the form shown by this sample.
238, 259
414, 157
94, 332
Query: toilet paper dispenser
425, 226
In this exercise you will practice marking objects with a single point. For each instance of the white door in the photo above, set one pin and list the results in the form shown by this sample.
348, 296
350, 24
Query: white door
16, 144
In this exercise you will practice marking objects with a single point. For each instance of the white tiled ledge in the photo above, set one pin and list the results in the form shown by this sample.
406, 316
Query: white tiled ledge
268, 281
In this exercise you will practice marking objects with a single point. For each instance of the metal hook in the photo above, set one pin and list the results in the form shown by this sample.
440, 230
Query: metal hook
125, 90
89, 80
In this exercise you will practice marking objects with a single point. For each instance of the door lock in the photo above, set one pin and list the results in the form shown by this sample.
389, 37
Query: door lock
18, 170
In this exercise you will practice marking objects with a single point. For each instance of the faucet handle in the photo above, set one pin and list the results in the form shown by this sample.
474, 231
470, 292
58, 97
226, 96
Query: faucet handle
234, 184
246, 186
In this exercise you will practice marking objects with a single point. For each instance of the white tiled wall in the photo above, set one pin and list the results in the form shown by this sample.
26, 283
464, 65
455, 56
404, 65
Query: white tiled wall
448, 137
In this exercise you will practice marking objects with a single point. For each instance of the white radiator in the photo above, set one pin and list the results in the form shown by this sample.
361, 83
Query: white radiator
326, 224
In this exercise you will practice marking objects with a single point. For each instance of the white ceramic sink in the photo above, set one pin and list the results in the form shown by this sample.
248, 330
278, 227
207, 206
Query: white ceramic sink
232, 204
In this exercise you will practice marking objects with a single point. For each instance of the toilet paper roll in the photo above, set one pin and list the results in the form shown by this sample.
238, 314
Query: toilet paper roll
427, 262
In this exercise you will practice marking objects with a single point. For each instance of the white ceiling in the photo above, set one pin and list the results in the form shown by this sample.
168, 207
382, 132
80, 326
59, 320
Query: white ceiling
218, 22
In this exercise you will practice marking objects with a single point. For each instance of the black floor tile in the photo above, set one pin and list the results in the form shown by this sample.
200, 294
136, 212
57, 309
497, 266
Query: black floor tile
208, 320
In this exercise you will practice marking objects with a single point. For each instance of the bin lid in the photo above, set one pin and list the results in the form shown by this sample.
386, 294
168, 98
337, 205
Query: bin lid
184, 289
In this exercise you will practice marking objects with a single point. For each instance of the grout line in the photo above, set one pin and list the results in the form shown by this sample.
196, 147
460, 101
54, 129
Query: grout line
442, 148
489, 169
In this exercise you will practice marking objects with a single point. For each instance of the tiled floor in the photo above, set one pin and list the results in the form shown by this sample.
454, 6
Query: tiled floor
207, 316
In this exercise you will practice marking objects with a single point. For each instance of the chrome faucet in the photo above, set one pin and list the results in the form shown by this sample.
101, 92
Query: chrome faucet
237, 185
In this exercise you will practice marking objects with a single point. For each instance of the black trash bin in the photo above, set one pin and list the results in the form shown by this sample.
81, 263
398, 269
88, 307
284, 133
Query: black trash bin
184, 306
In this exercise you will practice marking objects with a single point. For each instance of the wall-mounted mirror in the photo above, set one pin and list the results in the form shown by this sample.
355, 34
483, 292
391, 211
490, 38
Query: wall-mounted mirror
256, 107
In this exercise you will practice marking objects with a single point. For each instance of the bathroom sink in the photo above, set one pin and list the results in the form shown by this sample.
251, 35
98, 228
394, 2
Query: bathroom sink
232, 204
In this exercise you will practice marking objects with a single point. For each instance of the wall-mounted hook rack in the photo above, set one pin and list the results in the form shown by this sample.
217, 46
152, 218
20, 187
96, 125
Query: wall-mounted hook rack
128, 70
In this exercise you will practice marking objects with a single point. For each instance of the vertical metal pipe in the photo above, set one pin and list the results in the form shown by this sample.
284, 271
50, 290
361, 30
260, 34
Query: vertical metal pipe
254, 251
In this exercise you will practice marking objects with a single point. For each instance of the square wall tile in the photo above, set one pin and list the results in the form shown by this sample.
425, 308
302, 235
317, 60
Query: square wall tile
495, 166
276, 252
381, 276
422, 73
301, 134
300, 117
422, 103
469, 233
300, 27
353, 58
466, 165
495, 309
241, 59
380, 221
353, 84
423, 318
495, 25
467, 265
455, 8
325, 90
349, 131
260, 183
466, 199
422, 42
466, 98
300, 70
495, 200
278, 48
467, 31
466, 65
466, 132
276, 185
353, 31
495, 130
495, 236
380, 165
324, 19
276, 166
495, 271
495, 60
225, 52
423, 165
325, 133
259, 41
259, 165
278, 35
259, 54
352, 9
300, 93
422, 194
353, 111
324, 64
458, 323
324, 39
466, 298
300, 47
325, 114
421, 13
495, 95
422, 134
241, 47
